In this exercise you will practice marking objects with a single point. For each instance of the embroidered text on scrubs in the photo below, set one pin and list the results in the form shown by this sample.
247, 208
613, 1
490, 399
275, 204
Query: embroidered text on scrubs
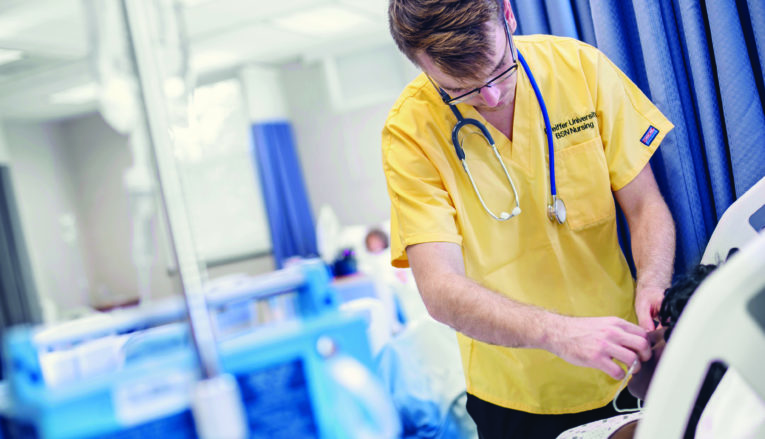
573, 125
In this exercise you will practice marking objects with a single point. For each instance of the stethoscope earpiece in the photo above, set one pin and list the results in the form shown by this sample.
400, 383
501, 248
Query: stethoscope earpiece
506, 216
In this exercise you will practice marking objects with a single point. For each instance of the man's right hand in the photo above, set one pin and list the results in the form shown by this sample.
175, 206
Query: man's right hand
471, 309
598, 341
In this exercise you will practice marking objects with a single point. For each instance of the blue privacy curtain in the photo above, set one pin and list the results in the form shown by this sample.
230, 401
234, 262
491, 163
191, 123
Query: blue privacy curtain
284, 193
702, 64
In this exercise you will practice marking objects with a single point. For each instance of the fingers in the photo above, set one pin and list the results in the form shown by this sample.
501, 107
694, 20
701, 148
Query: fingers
639, 345
605, 343
627, 357
628, 345
647, 305
612, 369
655, 308
635, 338
631, 327
645, 320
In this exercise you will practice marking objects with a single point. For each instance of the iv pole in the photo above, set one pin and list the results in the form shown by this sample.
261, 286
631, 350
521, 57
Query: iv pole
216, 403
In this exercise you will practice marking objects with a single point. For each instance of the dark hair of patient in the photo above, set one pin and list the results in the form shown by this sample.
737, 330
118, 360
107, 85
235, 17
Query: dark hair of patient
676, 296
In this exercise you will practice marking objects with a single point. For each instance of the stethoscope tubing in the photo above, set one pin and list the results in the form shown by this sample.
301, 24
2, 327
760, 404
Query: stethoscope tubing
461, 122
556, 209
548, 126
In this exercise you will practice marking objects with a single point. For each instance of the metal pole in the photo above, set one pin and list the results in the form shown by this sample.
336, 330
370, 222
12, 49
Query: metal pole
150, 77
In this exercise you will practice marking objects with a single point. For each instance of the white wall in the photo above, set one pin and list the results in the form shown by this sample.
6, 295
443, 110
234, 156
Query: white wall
76, 216
96, 158
339, 148
46, 208
263, 94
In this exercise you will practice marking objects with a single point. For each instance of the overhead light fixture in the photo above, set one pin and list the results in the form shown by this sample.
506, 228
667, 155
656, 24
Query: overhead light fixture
10, 55
210, 60
79, 94
175, 87
192, 3
322, 21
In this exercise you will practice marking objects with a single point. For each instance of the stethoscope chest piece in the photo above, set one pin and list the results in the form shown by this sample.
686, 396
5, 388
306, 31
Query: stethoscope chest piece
557, 210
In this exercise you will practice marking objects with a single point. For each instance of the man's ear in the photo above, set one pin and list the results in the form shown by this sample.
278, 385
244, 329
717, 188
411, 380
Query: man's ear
510, 17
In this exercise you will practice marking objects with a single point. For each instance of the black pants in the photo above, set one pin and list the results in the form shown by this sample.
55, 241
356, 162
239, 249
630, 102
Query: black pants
495, 422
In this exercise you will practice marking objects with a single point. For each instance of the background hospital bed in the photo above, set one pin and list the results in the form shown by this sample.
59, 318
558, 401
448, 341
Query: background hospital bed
416, 357
300, 365
422, 370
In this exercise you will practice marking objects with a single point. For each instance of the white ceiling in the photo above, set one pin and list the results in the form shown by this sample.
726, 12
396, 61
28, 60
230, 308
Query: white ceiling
223, 35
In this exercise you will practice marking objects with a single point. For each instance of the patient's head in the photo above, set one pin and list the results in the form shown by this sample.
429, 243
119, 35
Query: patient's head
675, 299
676, 296
376, 241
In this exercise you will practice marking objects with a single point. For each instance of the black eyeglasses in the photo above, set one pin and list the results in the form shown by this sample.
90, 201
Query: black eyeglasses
505, 75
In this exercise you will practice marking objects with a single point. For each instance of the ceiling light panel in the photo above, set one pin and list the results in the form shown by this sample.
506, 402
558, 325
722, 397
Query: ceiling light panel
377, 8
246, 44
206, 18
323, 21
76, 95
7, 56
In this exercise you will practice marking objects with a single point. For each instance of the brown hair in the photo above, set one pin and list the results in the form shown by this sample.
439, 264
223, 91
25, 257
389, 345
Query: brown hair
378, 233
452, 33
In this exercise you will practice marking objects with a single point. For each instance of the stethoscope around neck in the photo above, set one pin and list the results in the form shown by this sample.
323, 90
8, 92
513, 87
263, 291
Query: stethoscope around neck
556, 209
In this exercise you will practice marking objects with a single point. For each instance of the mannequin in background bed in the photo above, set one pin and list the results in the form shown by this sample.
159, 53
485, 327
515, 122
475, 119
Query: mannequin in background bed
376, 241
376, 263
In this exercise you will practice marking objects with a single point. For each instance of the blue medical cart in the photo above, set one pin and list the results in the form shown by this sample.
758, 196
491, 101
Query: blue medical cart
280, 335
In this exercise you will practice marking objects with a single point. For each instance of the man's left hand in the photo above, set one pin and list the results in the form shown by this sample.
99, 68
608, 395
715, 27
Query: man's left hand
652, 234
647, 305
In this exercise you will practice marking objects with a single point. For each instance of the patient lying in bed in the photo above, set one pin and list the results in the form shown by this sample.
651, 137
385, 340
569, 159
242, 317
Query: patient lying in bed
675, 299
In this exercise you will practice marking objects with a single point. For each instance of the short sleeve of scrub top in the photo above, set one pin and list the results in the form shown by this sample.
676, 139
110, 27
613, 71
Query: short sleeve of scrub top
631, 126
421, 207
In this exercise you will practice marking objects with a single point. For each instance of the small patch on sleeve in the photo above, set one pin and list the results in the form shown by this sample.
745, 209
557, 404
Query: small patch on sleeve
649, 135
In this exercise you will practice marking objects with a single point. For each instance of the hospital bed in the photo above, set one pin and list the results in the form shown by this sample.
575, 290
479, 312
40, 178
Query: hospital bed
416, 357
422, 370
300, 365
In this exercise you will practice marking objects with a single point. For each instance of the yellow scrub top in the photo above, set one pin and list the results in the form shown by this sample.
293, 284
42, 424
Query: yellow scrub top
605, 131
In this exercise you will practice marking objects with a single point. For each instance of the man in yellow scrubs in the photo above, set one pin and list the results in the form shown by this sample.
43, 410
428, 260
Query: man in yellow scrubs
548, 314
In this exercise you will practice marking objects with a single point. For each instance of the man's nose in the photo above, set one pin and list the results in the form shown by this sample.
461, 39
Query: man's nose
490, 95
